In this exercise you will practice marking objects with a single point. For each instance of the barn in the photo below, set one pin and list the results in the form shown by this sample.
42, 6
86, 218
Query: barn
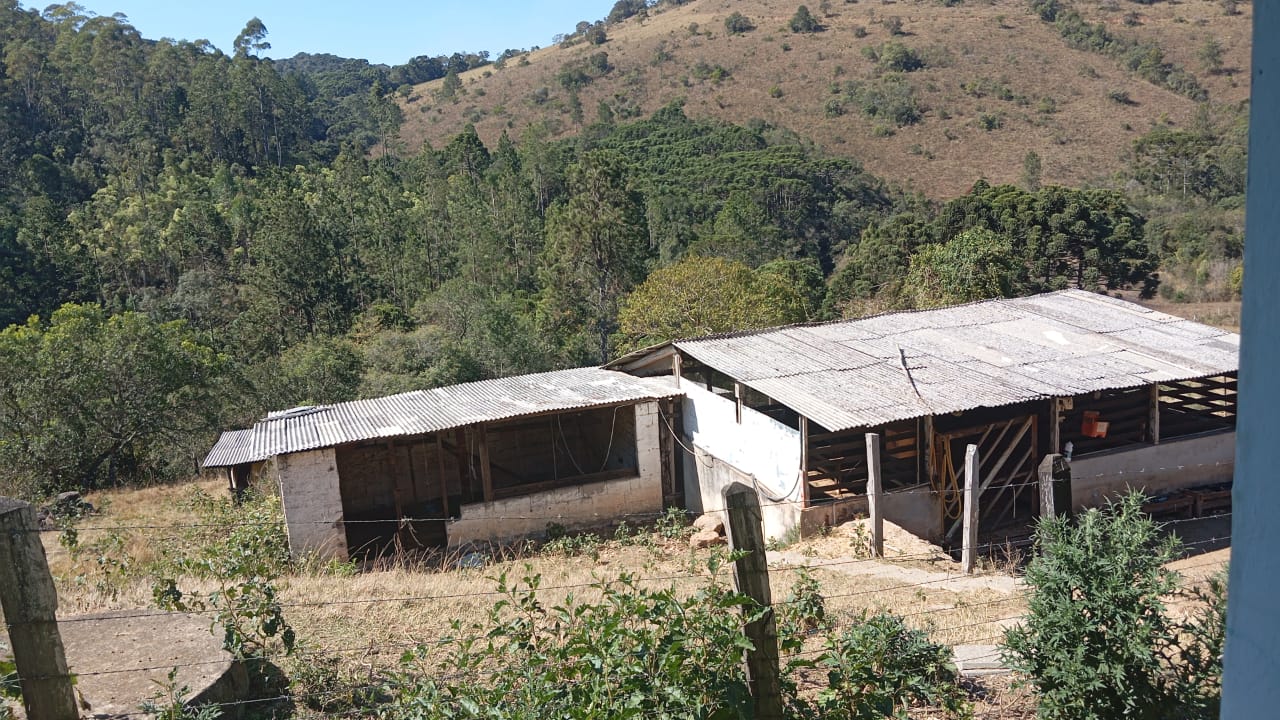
1137, 398
488, 461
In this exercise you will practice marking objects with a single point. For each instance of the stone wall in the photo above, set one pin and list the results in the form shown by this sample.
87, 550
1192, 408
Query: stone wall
312, 502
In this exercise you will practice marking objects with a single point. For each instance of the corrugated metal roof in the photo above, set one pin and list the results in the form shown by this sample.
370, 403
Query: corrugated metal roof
849, 374
428, 411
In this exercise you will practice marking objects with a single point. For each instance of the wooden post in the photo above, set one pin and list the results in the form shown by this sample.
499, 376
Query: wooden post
804, 460
444, 482
1153, 415
677, 368
1047, 509
30, 602
929, 471
875, 495
1055, 426
486, 471
737, 401
464, 466
751, 577
971, 485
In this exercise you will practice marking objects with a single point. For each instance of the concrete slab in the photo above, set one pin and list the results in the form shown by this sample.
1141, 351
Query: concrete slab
979, 660
121, 658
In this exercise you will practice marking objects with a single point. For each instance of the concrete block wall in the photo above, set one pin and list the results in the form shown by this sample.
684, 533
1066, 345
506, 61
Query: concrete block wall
648, 453
575, 506
312, 501
1153, 469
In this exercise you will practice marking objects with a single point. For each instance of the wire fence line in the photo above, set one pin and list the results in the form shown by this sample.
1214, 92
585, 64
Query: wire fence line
602, 518
854, 618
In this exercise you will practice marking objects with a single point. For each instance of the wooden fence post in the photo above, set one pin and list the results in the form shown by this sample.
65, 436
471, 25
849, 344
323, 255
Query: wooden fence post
970, 534
30, 604
875, 495
1046, 486
751, 577
1055, 486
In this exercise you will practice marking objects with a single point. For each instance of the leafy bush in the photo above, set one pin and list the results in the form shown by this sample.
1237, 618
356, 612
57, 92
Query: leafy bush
1097, 642
804, 21
893, 56
878, 668
737, 23
636, 653
890, 97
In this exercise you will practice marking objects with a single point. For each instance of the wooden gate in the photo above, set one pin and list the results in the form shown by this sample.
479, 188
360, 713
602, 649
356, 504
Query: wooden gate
1007, 471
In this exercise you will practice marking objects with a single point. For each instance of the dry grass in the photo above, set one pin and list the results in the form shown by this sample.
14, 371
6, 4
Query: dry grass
359, 623
784, 78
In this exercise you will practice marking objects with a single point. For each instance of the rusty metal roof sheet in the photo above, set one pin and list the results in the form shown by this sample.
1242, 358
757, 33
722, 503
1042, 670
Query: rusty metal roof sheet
427, 411
850, 373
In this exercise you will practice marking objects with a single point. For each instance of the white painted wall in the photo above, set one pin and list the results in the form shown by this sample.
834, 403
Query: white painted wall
1153, 469
574, 506
312, 503
759, 452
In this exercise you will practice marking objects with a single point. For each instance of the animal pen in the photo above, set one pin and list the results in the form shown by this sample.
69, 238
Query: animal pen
489, 461
1137, 398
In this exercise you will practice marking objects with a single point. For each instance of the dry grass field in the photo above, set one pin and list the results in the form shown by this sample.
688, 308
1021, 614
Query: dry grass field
988, 63
356, 623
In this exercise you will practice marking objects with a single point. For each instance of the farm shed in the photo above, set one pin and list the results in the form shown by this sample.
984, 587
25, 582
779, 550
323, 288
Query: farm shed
1144, 399
494, 460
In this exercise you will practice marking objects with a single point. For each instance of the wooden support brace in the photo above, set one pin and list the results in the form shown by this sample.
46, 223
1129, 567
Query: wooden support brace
486, 470
1153, 416
444, 482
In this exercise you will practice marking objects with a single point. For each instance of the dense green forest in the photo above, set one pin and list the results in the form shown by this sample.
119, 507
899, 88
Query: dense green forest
192, 238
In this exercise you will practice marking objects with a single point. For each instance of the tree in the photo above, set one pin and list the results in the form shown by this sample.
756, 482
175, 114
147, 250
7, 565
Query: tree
252, 39
704, 295
597, 246
737, 23
1210, 56
803, 21
1031, 170
90, 398
974, 265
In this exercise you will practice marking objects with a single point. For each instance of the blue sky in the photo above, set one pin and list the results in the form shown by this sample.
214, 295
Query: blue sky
390, 31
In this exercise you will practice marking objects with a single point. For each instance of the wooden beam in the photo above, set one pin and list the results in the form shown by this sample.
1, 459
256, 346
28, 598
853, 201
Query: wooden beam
927, 446
804, 459
737, 400
1153, 415
1055, 426
467, 488
444, 482
677, 368
486, 470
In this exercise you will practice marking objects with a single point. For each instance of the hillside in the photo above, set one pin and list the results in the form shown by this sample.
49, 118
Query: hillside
997, 82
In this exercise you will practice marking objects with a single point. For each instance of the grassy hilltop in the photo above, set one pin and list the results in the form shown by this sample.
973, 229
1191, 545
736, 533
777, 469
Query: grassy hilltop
995, 82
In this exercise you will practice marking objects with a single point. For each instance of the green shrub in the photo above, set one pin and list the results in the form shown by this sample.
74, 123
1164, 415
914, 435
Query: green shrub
737, 23
636, 653
1097, 642
880, 668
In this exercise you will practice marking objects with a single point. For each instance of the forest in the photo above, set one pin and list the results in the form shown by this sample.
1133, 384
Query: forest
192, 238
